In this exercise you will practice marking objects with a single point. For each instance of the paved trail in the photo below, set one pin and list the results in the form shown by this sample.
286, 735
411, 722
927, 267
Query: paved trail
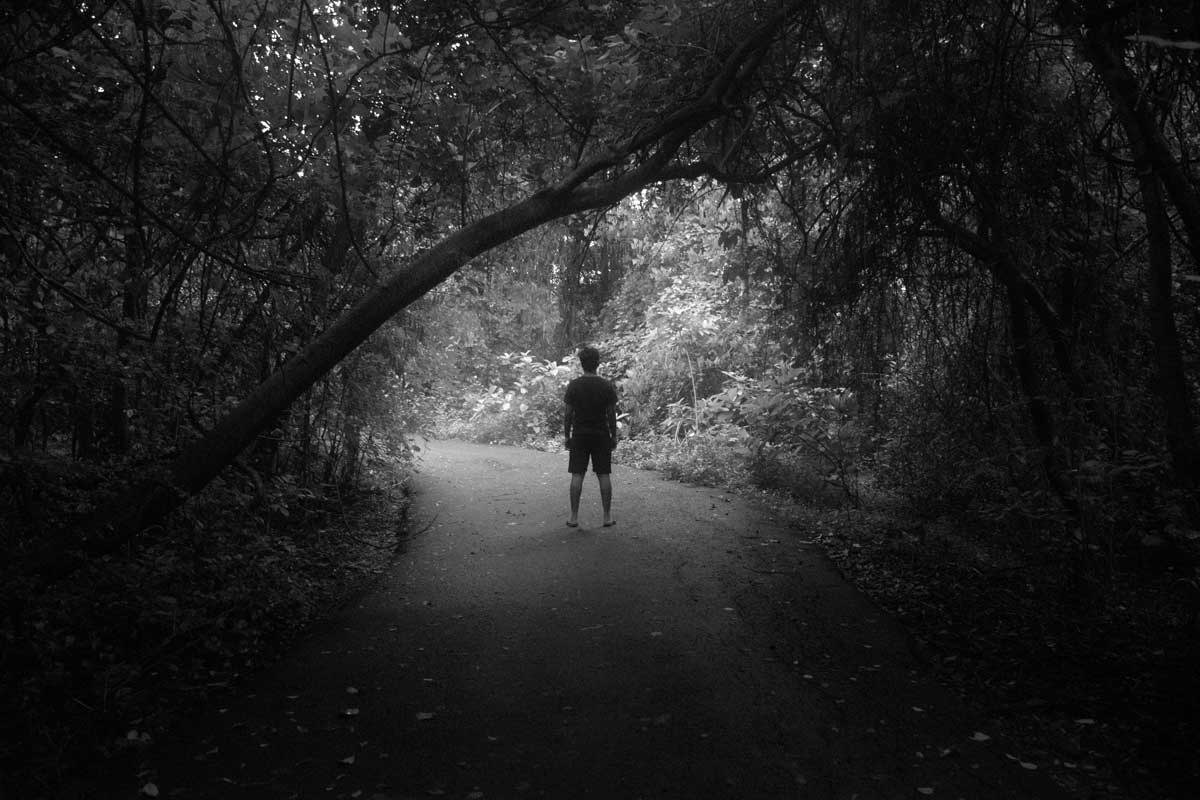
695, 650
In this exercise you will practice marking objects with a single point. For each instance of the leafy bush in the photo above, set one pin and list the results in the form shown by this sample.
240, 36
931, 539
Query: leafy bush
526, 409
717, 456
722, 455
796, 437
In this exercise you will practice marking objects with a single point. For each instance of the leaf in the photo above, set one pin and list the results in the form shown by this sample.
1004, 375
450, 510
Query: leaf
424, 715
925, 789
980, 737
348, 761
350, 712
150, 790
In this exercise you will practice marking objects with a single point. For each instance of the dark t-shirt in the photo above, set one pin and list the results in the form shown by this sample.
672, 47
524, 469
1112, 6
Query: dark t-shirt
590, 396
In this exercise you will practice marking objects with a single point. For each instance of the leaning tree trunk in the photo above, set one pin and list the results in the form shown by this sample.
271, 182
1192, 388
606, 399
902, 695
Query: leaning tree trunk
652, 151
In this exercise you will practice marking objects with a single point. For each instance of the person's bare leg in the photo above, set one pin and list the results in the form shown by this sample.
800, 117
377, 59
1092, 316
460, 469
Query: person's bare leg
606, 497
576, 491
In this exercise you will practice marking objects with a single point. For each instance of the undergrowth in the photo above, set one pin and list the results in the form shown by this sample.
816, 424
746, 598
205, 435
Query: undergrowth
719, 457
1095, 682
96, 667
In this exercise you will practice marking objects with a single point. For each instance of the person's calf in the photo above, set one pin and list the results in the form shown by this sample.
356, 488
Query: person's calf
606, 497
575, 492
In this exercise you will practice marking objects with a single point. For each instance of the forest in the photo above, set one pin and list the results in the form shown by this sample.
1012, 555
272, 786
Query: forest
923, 275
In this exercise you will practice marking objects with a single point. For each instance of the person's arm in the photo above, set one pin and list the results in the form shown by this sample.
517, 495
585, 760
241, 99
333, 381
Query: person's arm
568, 423
610, 414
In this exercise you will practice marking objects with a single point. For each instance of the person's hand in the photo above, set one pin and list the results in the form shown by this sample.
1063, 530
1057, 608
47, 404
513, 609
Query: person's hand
569, 443
612, 443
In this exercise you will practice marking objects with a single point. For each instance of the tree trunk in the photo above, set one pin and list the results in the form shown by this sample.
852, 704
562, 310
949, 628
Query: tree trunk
23, 415
1040, 414
1172, 382
1156, 168
648, 156
133, 312
151, 499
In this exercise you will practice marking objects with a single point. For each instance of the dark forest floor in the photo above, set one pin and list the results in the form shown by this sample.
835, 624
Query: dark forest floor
97, 668
1093, 667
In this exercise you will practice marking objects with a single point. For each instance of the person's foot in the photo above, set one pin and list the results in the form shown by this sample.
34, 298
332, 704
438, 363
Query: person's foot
610, 523
572, 523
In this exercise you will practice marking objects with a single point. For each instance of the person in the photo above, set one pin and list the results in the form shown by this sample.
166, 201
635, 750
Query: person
590, 423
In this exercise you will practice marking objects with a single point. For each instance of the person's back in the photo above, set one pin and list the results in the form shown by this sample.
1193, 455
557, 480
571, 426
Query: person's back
590, 425
591, 396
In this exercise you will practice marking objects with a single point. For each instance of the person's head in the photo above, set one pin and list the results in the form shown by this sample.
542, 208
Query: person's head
589, 358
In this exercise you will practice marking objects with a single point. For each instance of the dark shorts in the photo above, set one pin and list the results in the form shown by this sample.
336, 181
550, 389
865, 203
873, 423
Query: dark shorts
598, 447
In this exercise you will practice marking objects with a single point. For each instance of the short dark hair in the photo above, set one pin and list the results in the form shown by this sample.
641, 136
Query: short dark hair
589, 357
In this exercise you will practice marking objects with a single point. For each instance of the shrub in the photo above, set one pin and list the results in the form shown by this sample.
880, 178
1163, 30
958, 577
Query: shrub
526, 409
717, 456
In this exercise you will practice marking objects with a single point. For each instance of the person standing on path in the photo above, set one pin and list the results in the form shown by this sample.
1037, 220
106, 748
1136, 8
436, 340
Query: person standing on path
590, 423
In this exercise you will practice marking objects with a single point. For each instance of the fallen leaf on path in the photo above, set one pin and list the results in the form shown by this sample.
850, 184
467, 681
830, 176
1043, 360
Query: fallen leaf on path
925, 789
348, 761
424, 715
980, 737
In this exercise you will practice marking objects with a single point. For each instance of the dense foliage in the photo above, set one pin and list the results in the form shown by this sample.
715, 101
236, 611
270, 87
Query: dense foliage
944, 256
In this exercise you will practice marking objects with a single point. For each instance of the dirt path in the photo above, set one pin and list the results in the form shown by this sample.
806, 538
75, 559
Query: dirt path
694, 650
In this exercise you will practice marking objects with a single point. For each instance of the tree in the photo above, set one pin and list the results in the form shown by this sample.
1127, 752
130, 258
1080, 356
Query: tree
596, 171
1103, 36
